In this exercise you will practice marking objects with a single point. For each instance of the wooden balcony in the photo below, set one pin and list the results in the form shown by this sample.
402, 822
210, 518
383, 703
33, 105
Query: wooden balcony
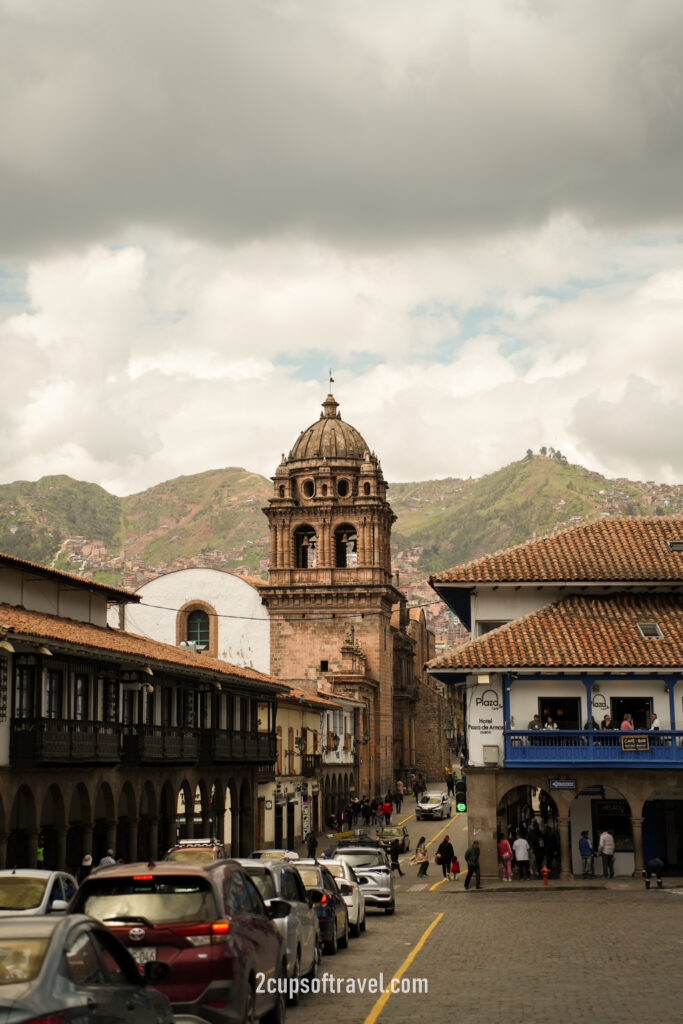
152, 744
219, 746
42, 741
311, 765
584, 748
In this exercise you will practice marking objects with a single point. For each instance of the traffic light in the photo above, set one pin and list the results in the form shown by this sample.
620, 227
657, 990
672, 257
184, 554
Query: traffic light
461, 795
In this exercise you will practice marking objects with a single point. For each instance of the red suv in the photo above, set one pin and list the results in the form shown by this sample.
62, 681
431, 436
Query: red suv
209, 923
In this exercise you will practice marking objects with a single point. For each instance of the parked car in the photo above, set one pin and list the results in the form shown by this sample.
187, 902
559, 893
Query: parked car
433, 804
33, 891
208, 922
388, 833
279, 879
195, 850
371, 865
69, 968
328, 900
275, 854
354, 900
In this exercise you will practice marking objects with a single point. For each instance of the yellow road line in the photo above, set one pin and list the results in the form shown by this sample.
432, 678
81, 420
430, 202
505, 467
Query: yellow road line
437, 884
404, 820
447, 825
384, 998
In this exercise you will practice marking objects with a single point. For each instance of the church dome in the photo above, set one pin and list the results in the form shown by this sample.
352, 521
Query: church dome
329, 438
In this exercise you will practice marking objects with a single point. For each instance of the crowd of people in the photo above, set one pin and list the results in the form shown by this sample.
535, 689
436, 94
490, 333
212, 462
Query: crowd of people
607, 723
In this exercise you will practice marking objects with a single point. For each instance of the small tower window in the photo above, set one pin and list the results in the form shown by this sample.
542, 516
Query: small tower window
198, 628
308, 488
366, 488
282, 492
343, 488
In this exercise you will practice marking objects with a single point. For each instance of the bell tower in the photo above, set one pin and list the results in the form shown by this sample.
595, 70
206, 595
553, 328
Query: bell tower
330, 577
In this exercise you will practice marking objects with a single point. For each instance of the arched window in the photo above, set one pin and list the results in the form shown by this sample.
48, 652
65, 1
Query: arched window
198, 628
366, 488
305, 542
345, 546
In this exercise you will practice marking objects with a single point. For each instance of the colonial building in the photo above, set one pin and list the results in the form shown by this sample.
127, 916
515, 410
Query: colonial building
109, 739
337, 622
571, 628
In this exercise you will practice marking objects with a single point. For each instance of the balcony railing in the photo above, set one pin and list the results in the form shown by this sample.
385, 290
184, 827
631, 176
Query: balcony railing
60, 741
220, 745
311, 764
586, 747
151, 744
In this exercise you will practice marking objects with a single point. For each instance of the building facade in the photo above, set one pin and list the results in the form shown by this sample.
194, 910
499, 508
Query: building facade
577, 652
108, 738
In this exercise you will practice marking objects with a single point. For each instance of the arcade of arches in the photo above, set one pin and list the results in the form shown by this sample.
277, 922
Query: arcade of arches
644, 809
55, 823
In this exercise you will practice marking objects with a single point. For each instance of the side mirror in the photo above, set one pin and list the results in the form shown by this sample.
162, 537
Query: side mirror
155, 972
59, 905
278, 908
315, 896
345, 889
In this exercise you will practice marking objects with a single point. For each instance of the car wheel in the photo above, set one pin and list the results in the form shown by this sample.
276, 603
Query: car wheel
278, 1013
355, 928
313, 970
344, 941
293, 993
249, 1016
331, 947
363, 922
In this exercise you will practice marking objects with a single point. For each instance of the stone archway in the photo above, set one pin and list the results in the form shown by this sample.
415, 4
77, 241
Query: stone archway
52, 830
168, 827
148, 824
22, 841
597, 808
662, 827
79, 832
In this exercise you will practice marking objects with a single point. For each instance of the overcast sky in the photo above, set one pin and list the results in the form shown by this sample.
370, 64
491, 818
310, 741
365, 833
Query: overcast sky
471, 210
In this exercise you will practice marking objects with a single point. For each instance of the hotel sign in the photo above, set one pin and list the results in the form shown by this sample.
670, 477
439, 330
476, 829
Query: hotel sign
635, 742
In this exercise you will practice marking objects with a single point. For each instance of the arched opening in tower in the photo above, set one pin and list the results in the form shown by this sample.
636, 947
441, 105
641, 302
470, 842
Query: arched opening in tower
345, 546
305, 543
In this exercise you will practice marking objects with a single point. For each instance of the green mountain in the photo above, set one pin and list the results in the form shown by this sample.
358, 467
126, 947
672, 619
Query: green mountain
215, 518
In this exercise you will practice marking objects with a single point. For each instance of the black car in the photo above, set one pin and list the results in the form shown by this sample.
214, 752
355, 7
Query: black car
327, 898
73, 969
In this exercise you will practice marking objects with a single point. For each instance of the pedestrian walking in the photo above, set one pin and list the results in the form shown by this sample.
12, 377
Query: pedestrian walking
472, 861
606, 847
311, 844
520, 848
586, 851
84, 868
421, 857
505, 854
394, 852
445, 855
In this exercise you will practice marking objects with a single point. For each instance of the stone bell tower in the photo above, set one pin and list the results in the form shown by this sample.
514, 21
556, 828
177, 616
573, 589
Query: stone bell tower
330, 578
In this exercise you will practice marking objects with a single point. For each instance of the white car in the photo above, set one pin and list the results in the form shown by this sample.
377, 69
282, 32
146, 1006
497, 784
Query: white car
433, 804
355, 900
33, 891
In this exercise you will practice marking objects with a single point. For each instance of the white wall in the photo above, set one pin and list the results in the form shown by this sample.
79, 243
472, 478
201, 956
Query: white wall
506, 603
243, 622
52, 597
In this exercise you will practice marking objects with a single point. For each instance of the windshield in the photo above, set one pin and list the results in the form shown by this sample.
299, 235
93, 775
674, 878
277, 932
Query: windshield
363, 859
336, 870
156, 901
263, 881
190, 856
20, 959
17, 892
311, 877
389, 833
431, 798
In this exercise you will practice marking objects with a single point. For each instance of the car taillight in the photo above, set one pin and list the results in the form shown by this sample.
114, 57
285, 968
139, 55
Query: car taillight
321, 902
204, 934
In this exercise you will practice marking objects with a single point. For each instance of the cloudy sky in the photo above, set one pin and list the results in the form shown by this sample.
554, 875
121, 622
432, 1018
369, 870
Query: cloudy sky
471, 210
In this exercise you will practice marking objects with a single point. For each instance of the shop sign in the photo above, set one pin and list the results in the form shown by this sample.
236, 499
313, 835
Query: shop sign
562, 783
635, 742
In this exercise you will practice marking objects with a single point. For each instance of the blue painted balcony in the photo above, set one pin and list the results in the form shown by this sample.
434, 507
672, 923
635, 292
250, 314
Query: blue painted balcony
584, 748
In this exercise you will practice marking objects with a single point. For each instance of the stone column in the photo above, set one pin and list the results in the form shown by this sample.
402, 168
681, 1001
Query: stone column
111, 836
638, 860
481, 818
565, 851
206, 825
87, 838
234, 831
3, 850
189, 818
153, 838
32, 849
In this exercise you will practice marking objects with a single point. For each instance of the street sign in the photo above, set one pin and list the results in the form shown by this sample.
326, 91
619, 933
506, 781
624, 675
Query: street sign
562, 783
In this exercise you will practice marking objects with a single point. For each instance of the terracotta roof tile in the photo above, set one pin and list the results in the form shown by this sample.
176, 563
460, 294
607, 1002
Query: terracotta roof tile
20, 622
580, 632
618, 548
294, 693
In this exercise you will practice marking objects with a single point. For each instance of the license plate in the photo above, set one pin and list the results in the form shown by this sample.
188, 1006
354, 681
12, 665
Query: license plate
143, 954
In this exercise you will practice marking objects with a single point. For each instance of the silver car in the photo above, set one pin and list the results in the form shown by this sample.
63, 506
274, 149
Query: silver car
342, 871
33, 891
433, 804
278, 879
373, 872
